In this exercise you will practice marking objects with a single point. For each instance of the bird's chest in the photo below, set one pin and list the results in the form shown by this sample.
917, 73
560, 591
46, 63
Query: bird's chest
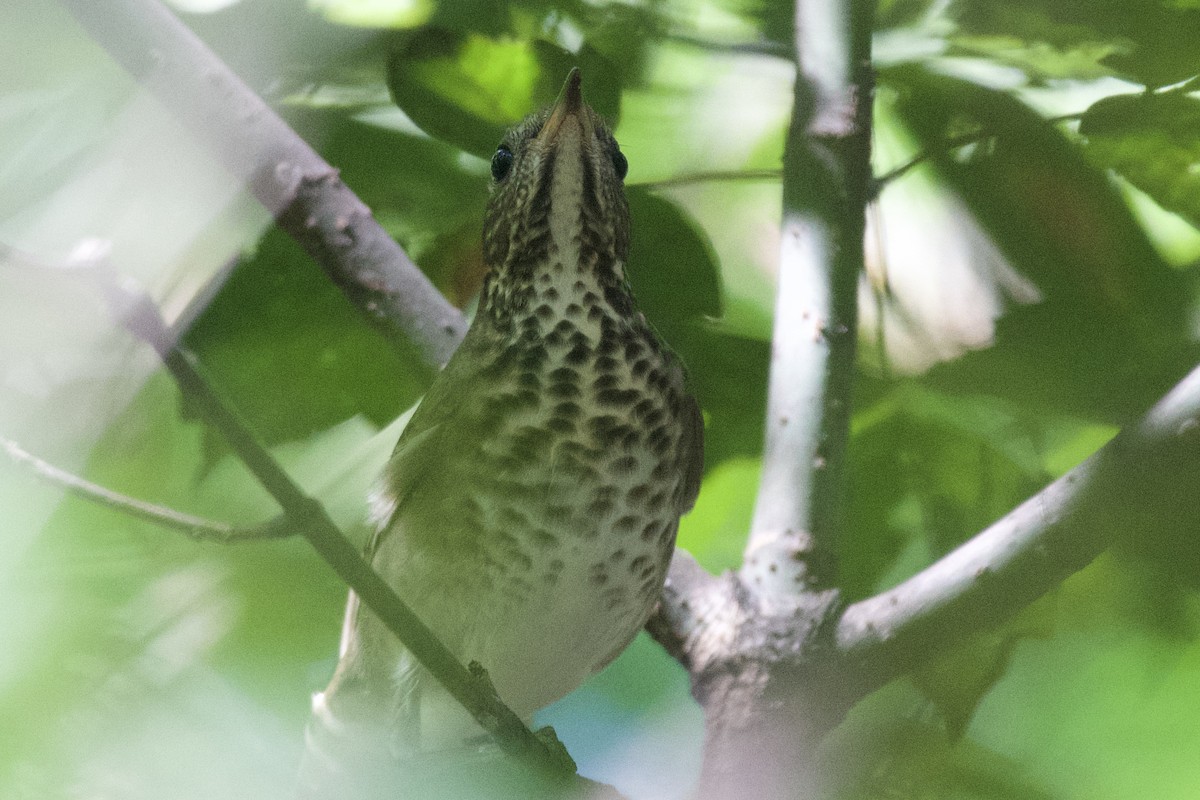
576, 459
569, 492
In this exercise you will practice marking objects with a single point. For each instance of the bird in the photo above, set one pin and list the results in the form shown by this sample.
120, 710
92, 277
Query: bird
529, 511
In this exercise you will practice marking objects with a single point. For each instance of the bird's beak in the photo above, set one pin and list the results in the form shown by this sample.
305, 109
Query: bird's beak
569, 104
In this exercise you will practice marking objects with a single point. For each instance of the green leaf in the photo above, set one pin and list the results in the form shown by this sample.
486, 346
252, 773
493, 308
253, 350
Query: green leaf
958, 681
891, 746
375, 13
467, 89
928, 470
1111, 330
1152, 140
728, 373
1105, 708
672, 266
285, 347
715, 531
1147, 41
420, 190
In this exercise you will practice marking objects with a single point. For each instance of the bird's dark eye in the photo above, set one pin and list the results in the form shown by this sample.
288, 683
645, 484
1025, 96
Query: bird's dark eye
501, 162
619, 163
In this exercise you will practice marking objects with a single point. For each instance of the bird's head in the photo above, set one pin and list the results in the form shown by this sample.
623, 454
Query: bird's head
558, 196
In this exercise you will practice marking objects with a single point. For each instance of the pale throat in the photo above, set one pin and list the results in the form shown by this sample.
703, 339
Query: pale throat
566, 194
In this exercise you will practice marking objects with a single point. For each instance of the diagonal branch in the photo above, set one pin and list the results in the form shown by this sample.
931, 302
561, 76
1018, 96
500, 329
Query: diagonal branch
287, 176
825, 183
1144, 479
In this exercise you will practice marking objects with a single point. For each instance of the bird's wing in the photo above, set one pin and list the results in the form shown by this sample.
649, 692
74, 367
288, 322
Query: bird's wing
691, 454
420, 452
410, 463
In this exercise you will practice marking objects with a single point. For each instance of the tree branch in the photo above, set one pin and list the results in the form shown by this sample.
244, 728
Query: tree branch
684, 621
198, 528
752, 642
711, 176
1145, 478
760, 48
825, 183
286, 175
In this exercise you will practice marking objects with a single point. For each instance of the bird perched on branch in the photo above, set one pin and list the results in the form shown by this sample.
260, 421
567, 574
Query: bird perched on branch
529, 511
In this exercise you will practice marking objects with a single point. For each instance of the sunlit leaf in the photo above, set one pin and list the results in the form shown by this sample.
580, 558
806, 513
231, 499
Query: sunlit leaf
1149, 41
467, 89
1154, 142
715, 532
375, 13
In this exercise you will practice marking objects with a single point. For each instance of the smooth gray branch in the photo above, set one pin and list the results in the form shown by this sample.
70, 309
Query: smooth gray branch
1144, 479
287, 176
825, 172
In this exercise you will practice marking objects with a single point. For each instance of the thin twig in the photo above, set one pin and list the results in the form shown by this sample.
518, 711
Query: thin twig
711, 176
950, 143
760, 48
198, 528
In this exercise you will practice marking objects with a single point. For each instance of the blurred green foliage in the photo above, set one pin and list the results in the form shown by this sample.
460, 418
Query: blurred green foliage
143, 665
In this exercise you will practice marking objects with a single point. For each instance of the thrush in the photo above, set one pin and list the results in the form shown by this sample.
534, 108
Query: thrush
529, 510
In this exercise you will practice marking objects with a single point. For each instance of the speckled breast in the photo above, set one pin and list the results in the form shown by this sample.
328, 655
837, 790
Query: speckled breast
572, 493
